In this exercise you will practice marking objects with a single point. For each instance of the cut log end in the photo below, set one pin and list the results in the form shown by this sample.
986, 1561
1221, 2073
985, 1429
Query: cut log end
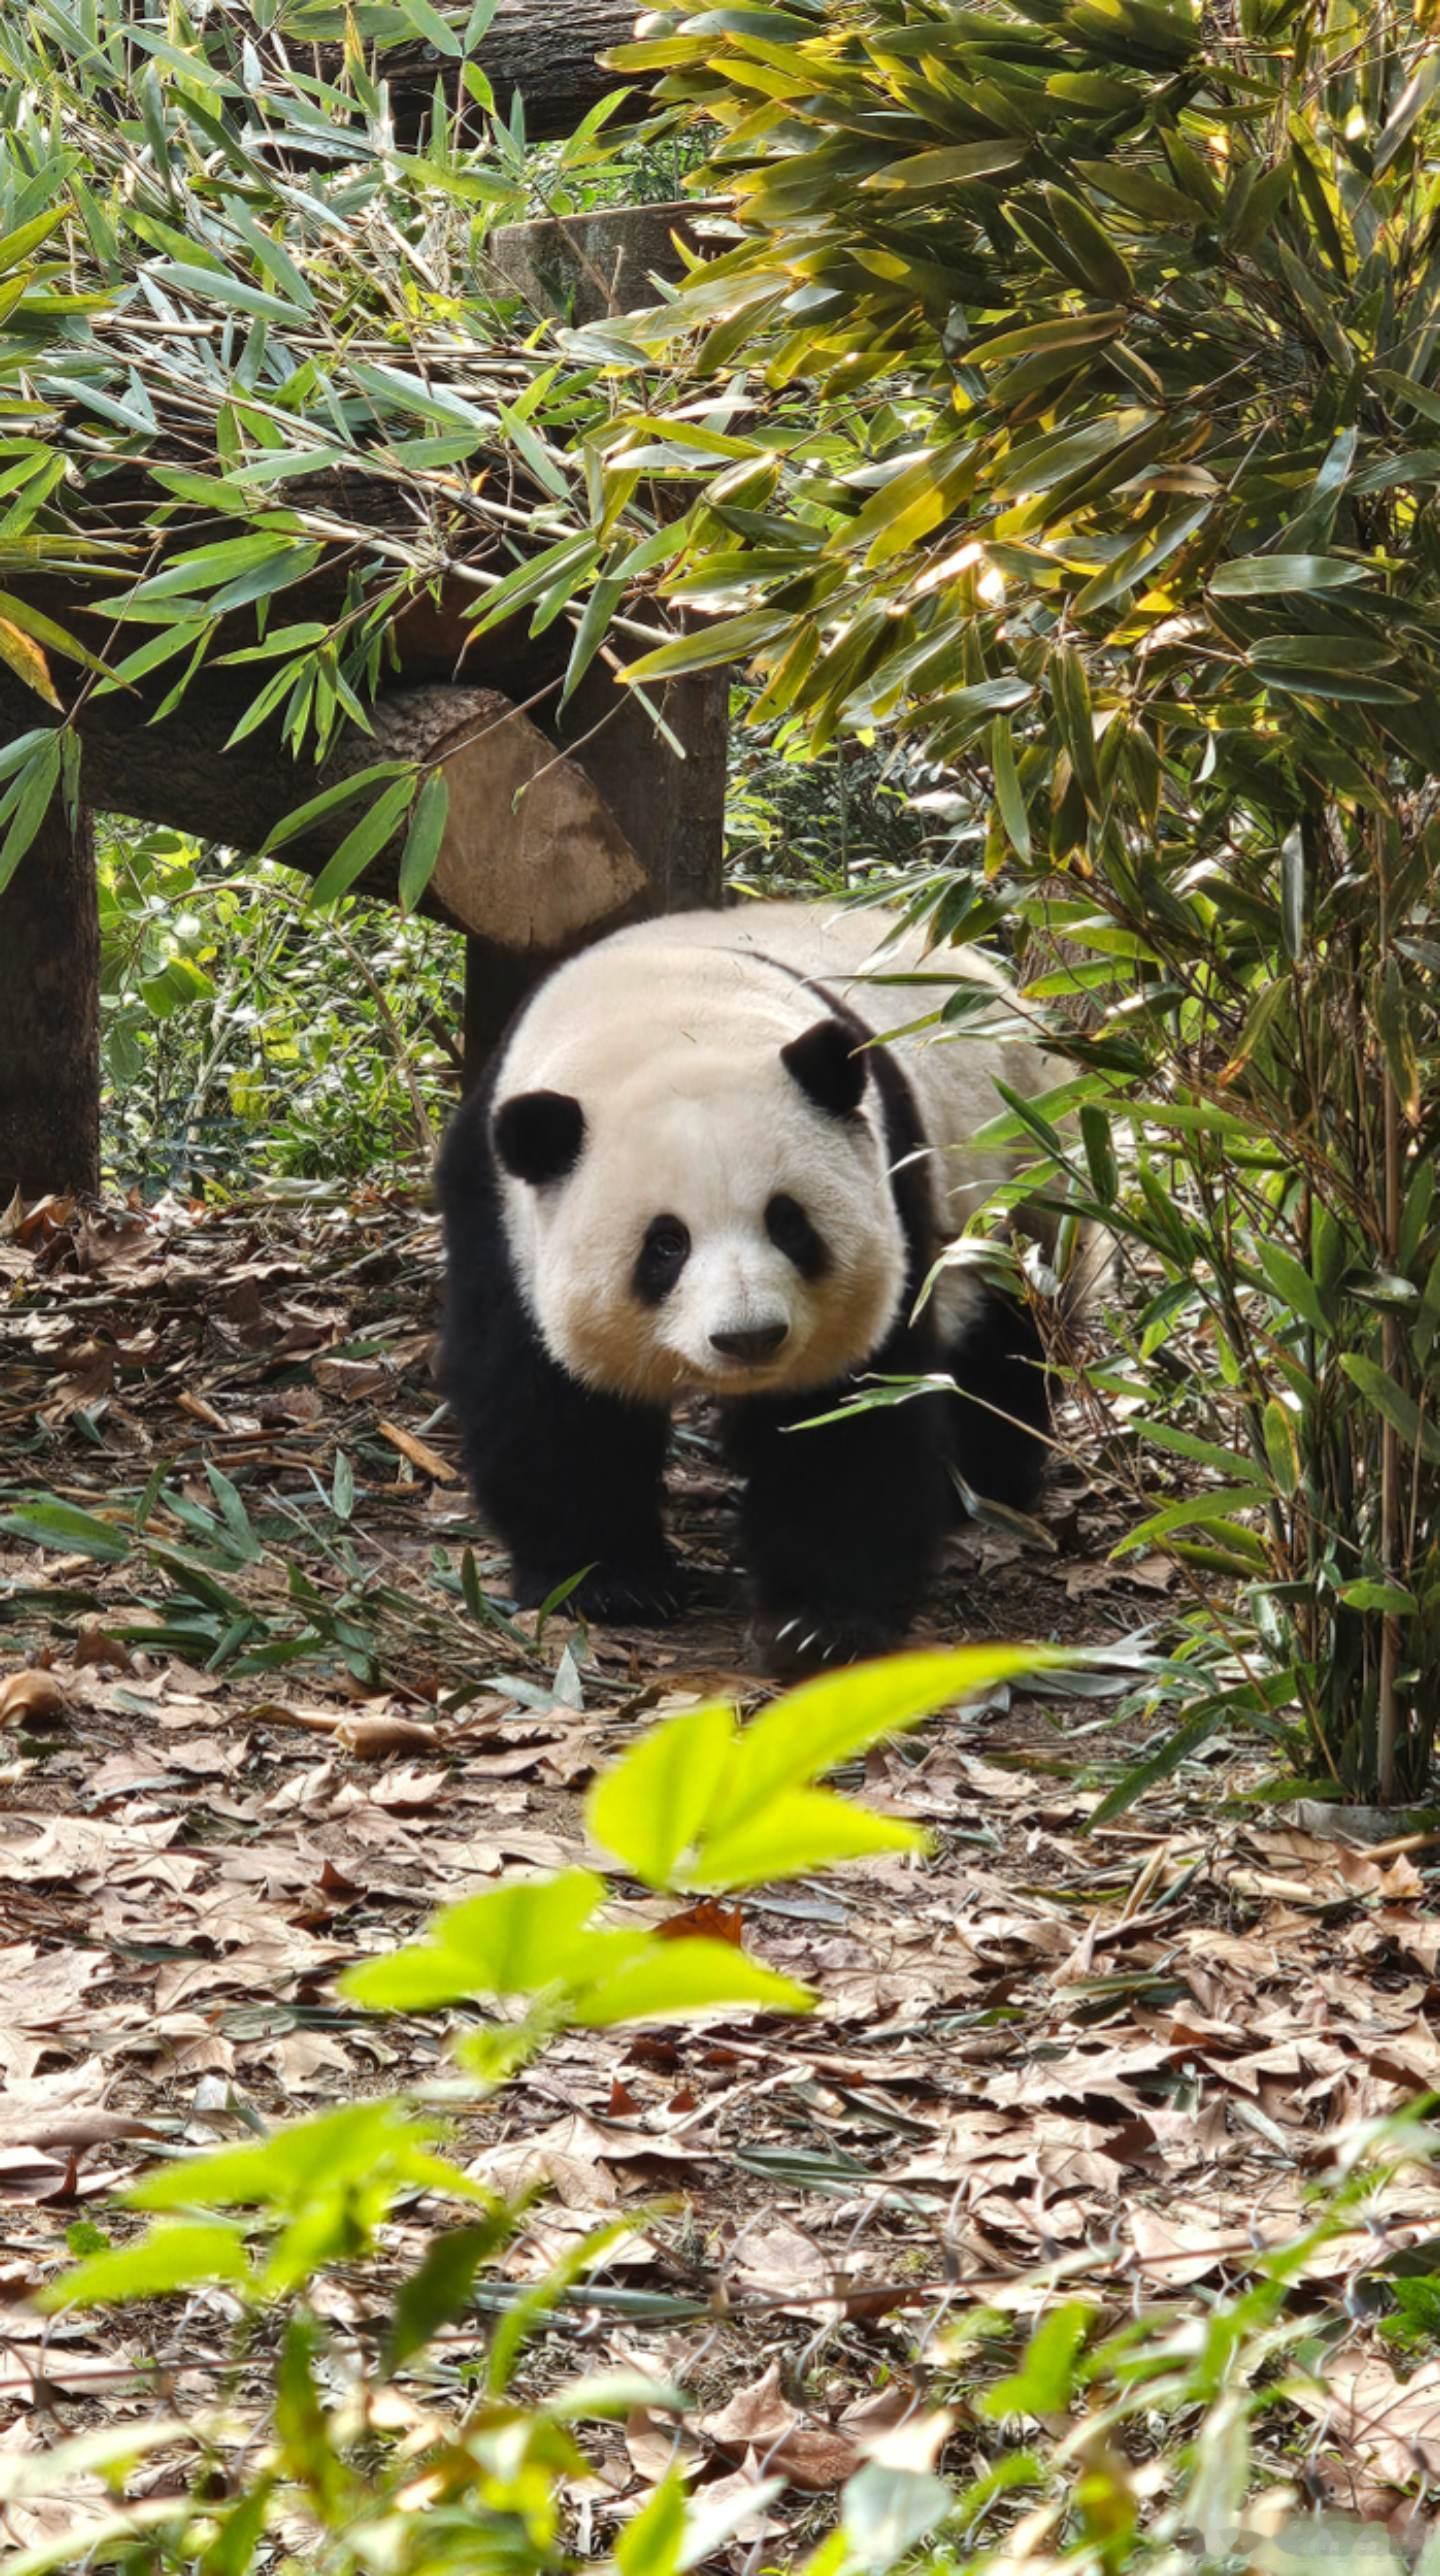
532, 858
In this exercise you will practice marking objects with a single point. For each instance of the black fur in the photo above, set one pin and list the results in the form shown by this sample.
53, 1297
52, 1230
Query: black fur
829, 1065
842, 1525
660, 1260
792, 1233
1001, 1360
538, 1135
569, 1478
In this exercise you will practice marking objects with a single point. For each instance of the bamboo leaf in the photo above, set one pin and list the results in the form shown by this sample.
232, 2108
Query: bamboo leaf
1263, 576
1292, 894
363, 842
424, 839
430, 26
218, 286
1202, 1510
1293, 1285
955, 166
1008, 793
1391, 1400
1107, 271
1281, 1446
342, 793
26, 802
27, 661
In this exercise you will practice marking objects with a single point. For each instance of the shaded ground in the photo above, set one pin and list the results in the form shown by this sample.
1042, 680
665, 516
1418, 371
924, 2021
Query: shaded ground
270, 1734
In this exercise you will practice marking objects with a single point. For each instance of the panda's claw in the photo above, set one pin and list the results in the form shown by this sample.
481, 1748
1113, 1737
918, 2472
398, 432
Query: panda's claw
621, 1597
787, 1649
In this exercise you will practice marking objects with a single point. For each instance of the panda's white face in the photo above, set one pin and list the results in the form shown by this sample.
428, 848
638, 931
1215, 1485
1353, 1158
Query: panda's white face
727, 1237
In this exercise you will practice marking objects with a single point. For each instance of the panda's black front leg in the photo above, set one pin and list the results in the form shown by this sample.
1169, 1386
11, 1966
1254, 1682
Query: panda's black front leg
842, 1525
568, 1478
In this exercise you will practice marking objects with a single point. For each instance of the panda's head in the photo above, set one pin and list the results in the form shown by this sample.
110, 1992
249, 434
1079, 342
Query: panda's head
716, 1221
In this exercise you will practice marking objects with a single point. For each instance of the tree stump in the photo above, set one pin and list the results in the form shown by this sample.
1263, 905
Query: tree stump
584, 268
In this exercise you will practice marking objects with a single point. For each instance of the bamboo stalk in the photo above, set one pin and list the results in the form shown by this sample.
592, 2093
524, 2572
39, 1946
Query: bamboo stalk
1387, 1739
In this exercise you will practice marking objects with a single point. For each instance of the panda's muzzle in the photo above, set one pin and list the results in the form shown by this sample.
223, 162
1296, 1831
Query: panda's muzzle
752, 1343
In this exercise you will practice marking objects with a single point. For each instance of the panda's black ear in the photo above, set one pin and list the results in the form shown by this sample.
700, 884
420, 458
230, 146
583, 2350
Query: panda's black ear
538, 1135
828, 1066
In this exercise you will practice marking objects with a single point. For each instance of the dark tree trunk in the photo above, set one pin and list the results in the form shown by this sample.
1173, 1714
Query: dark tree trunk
545, 49
50, 1015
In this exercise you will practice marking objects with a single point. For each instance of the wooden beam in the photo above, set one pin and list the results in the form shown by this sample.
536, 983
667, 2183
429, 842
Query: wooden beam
532, 857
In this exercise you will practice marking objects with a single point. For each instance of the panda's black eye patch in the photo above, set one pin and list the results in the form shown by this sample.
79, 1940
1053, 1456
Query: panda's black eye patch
792, 1233
662, 1257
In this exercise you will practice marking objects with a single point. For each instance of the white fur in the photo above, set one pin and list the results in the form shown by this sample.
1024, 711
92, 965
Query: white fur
669, 1035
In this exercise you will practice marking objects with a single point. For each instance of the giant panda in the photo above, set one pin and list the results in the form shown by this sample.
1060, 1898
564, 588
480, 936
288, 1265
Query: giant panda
693, 1172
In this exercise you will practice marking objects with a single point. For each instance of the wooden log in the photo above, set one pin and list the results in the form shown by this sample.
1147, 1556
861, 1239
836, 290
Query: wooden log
532, 858
546, 50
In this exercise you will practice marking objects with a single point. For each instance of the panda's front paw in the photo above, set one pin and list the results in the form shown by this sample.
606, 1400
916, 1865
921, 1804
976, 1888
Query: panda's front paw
789, 1645
618, 1596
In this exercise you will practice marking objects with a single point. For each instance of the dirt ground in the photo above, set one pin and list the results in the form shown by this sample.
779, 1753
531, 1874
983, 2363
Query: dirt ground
259, 1715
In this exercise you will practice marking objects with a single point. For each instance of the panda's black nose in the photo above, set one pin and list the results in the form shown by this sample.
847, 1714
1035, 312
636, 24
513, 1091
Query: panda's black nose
758, 1342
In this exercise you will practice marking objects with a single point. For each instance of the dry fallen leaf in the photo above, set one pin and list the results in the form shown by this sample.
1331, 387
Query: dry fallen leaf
32, 1699
761, 2420
1390, 2424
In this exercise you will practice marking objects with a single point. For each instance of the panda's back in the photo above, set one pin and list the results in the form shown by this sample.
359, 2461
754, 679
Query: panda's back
679, 1002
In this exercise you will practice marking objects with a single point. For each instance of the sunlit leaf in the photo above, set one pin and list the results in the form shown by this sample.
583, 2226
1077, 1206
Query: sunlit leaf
165, 2259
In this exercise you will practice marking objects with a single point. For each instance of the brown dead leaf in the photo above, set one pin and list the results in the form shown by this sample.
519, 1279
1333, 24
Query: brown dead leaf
75, 2129
351, 1379
1391, 2425
555, 2156
573, 2151
94, 1646
726, 2497
202, 1409
370, 1736
780, 2260
32, 1699
708, 1920
756, 2416
898, 2430
657, 2445
814, 2458
1178, 2250
405, 1789
760, 2419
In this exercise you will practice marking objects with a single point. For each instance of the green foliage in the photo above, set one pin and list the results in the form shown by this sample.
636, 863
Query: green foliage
237, 274
700, 1805
857, 816
1068, 2391
1098, 460
268, 2220
289, 1588
242, 1036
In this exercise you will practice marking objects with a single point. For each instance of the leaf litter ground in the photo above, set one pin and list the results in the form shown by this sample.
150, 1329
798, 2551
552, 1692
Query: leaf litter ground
268, 1734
